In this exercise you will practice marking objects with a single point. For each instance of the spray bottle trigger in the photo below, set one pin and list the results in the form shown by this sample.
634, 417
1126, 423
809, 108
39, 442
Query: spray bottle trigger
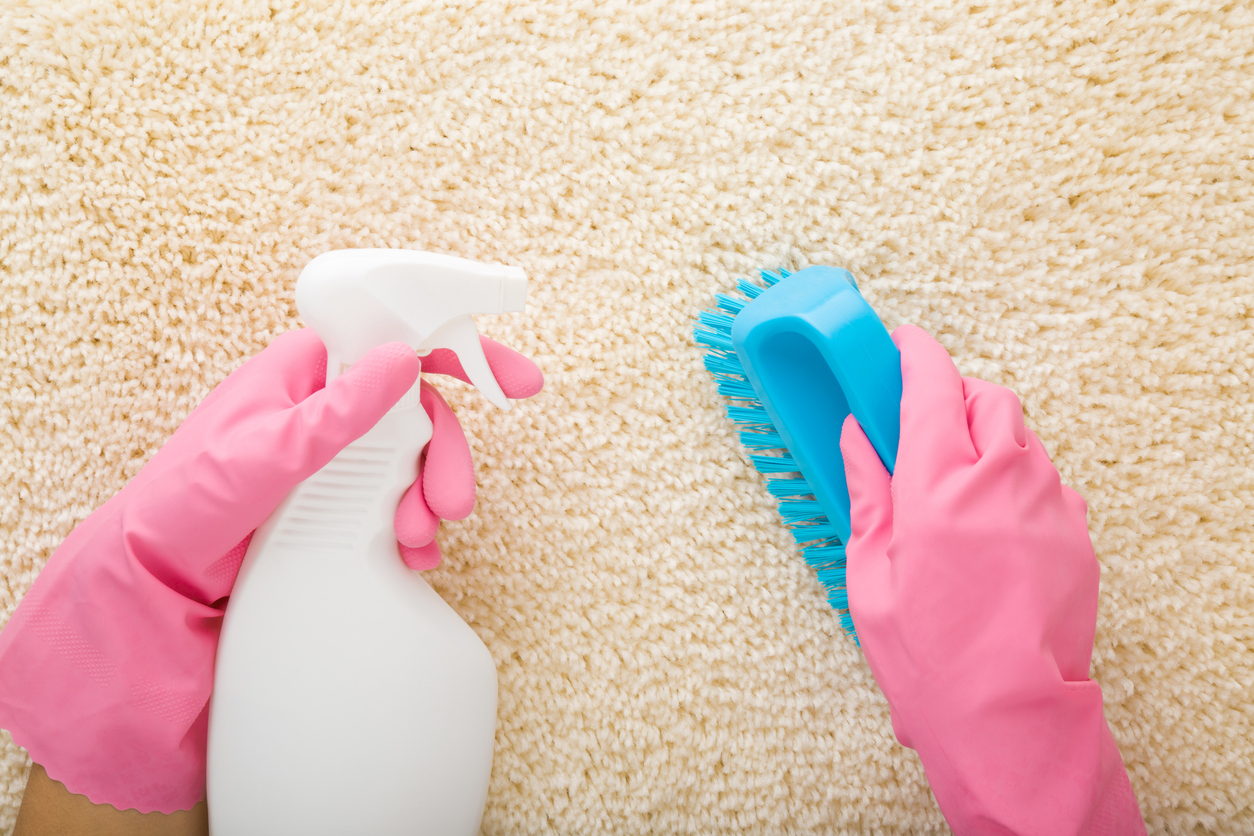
461, 337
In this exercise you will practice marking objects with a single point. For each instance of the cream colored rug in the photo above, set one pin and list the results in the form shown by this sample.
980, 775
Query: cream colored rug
1062, 192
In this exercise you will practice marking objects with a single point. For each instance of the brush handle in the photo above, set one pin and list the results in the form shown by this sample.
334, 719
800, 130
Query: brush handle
815, 351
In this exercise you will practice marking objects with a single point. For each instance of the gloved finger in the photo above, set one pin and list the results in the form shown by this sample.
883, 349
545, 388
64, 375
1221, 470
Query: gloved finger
415, 522
994, 417
517, 375
232, 486
934, 435
868, 574
423, 557
448, 473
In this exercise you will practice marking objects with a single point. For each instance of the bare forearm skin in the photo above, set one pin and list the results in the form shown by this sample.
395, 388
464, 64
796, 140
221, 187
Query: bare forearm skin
49, 809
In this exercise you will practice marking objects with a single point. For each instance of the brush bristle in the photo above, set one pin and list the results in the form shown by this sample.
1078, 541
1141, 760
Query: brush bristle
800, 511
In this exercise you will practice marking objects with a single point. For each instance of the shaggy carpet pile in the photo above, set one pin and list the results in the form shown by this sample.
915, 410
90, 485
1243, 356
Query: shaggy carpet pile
1062, 192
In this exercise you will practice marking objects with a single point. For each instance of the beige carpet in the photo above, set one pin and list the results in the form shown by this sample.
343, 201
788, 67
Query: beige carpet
1062, 192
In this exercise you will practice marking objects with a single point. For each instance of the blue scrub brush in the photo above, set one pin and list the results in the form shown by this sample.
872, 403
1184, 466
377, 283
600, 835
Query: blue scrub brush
794, 356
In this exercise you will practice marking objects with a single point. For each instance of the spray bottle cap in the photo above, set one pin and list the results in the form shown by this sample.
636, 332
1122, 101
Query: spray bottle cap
358, 299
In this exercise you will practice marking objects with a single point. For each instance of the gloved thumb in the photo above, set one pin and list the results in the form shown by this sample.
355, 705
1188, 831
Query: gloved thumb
337, 415
249, 460
868, 574
266, 459
870, 487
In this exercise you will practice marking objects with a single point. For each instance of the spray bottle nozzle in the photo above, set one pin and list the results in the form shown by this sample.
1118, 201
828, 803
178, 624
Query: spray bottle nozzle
358, 299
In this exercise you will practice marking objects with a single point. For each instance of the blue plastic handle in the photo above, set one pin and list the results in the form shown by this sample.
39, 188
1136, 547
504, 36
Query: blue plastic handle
815, 351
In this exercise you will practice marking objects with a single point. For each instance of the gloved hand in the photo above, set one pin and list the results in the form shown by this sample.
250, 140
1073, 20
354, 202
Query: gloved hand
106, 666
973, 587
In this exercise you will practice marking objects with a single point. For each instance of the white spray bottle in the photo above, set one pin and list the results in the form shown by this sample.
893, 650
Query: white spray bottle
348, 697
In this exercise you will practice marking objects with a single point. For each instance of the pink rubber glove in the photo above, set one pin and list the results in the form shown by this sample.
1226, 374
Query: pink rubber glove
973, 588
106, 666
446, 485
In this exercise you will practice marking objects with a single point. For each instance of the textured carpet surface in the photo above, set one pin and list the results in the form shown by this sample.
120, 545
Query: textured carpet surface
1062, 192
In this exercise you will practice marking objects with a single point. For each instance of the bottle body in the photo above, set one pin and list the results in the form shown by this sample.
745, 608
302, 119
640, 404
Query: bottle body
348, 697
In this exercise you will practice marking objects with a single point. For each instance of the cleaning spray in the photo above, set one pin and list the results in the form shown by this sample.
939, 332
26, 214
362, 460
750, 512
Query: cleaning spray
348, 696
